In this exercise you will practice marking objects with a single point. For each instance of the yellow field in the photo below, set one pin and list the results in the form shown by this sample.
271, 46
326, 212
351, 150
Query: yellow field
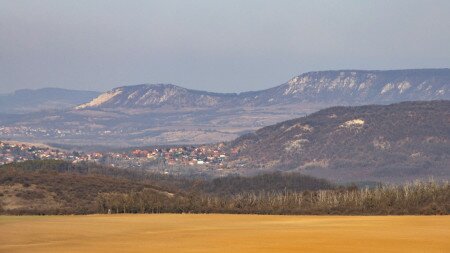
224, 233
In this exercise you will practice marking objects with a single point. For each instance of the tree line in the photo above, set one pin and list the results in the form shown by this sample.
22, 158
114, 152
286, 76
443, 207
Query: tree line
415, 198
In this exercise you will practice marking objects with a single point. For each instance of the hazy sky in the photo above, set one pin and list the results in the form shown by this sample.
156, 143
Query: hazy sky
229, 45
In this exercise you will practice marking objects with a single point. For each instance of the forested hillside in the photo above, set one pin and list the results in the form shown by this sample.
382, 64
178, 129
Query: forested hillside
389, 143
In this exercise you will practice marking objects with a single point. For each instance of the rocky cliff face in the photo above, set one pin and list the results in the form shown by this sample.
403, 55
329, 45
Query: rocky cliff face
349, 87
156, 95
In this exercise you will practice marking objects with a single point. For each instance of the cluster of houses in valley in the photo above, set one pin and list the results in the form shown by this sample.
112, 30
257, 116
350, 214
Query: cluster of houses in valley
141, 157
186, 155
19, 152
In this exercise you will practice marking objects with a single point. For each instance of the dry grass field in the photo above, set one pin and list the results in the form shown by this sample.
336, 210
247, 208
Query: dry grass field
224, 233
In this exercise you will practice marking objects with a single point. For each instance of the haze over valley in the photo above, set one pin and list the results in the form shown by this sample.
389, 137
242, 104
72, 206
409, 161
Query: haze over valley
168, 114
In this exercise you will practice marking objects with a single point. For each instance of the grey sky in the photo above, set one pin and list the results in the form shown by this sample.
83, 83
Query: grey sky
224, 46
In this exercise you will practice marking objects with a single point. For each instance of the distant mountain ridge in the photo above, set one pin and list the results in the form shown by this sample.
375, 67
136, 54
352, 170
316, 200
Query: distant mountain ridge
26, 100
340, 87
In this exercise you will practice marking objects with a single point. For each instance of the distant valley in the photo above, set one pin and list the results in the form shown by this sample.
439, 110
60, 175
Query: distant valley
168, 114
377, 143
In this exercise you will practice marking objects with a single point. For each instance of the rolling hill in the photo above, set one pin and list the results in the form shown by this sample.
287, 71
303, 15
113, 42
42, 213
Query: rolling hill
397, 142
58, 187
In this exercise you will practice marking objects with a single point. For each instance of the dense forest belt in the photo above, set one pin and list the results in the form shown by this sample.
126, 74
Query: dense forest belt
58, 187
